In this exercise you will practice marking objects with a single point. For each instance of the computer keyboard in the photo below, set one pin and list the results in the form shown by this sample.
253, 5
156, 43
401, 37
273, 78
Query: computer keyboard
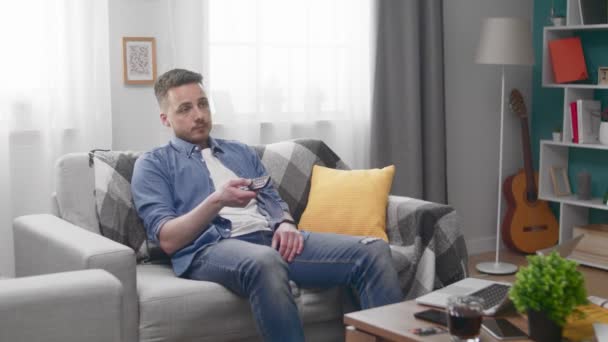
492, 295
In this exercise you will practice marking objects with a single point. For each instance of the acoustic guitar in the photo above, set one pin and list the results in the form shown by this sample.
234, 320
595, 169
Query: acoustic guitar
529, 223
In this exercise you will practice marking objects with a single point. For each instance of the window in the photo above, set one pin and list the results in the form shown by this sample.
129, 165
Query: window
299, 60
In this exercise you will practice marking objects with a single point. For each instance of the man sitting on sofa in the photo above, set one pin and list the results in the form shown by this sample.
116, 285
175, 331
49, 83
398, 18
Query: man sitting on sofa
193, 198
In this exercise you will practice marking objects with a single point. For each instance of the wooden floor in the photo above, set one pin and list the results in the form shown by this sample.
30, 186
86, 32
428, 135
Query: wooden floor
596, 280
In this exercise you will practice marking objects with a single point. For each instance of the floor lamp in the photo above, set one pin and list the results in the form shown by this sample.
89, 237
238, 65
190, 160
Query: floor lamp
503, 41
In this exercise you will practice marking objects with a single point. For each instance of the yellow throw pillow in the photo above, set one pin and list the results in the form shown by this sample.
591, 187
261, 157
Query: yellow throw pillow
348, 202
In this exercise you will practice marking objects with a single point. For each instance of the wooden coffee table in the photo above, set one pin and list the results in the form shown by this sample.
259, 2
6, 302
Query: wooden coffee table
392, 322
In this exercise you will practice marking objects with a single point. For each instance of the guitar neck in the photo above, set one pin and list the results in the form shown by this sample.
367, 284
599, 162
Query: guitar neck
525, 137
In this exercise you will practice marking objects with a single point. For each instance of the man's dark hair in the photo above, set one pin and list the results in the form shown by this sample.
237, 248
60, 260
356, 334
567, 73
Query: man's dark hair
174, 78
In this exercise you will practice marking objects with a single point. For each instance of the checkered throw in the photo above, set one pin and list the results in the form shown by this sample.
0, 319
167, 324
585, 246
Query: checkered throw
118, 218
428, 248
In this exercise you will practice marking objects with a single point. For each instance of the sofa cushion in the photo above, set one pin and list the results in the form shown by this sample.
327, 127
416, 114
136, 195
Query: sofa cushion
177, 309
351, 202
118, 218
290, 163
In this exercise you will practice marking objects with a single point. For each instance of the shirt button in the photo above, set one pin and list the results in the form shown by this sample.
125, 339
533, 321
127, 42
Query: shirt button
226, 229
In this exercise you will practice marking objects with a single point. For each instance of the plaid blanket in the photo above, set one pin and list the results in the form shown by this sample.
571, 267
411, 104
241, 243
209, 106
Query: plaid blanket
428, 248
118, 218
427, 245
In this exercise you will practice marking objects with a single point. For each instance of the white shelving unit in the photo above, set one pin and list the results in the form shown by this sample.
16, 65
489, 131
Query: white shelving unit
573, 212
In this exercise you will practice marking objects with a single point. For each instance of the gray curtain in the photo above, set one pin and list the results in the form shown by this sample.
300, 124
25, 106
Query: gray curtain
408, 114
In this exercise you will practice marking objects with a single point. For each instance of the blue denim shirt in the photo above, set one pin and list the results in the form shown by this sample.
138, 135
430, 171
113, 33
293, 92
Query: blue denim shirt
171, 180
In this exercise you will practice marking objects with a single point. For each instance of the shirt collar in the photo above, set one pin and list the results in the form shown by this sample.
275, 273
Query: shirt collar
188, 148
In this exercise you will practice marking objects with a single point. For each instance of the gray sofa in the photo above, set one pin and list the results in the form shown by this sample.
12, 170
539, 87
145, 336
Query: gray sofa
426, 241
62, 307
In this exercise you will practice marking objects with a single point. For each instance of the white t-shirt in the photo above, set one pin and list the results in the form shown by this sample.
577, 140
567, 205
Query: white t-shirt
244, 220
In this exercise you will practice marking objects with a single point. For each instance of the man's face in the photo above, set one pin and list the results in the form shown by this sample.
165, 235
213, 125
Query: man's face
186, 111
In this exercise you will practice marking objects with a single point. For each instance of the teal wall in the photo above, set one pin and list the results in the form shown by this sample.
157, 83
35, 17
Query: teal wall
547, 104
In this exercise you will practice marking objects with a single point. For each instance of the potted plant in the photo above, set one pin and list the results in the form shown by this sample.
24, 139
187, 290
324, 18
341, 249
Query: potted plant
557, 134
549, 289
556, 20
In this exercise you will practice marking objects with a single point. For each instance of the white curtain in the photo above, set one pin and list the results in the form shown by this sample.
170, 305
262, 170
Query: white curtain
280, 69
54, 99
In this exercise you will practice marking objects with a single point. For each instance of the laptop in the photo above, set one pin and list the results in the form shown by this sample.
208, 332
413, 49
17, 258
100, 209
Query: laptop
494, 293
564, 249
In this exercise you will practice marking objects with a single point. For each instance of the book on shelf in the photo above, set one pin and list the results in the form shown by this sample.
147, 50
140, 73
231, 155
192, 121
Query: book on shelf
588, 118
593, 11
574, 122
592, 249
568, 60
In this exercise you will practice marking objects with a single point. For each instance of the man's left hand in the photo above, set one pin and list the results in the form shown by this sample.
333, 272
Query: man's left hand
289, 241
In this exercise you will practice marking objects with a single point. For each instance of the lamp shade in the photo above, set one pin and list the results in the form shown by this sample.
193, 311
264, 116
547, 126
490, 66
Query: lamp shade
505, 41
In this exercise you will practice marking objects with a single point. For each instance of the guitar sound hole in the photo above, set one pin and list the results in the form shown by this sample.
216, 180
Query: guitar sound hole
530, 199
535, 228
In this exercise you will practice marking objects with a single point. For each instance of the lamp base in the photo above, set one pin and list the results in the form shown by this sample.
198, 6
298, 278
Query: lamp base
496, 268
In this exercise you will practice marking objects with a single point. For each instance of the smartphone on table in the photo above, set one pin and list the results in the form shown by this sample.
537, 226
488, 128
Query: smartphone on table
502, 329
434, 316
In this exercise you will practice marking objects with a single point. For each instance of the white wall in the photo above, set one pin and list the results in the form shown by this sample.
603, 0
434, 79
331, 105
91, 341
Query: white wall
134, 113
473, 117
135, 120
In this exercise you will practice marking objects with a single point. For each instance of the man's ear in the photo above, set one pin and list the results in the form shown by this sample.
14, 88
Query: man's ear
164, 120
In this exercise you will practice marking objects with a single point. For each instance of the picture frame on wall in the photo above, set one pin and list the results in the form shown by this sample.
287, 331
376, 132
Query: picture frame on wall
602, 75
559, 179
139, 60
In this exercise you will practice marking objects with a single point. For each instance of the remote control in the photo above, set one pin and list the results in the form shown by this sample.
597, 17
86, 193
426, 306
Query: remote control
259, 183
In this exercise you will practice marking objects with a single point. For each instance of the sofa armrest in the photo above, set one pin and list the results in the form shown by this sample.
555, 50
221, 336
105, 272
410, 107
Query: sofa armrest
45, 243
427, 244
68, 306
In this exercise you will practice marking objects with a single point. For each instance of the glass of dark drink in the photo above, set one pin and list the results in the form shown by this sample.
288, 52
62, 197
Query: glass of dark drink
464, 318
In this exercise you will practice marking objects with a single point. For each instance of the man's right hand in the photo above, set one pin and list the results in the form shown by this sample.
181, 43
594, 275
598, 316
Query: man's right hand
232, 194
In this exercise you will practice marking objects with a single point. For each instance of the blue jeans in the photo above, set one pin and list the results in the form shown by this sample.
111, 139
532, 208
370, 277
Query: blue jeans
248, 266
